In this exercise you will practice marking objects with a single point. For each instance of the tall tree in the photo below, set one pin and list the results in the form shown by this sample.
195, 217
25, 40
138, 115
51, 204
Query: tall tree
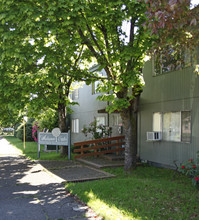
40, 56
100, 25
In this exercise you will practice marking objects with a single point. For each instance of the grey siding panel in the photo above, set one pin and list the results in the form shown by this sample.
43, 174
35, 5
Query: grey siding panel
173, 91
87, 110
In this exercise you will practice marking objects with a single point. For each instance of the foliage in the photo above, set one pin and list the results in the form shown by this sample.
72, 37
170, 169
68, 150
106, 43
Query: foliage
173, 23
145, 193
99, 25
97, 131
30, 120
191, 168
48, 119
174, 26
120, 55
16, 128
28, 132
40, 57
35, 130
9, 116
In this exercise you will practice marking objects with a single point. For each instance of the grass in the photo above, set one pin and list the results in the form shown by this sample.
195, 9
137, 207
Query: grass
146, 193
31, 150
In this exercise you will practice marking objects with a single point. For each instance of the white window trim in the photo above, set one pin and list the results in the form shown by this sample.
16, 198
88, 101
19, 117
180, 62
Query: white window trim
75, 125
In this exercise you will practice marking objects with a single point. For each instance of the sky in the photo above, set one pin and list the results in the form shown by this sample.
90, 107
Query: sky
194, 2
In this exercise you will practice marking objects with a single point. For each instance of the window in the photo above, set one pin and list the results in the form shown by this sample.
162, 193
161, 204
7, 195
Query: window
186, 127
75, 94
170, 59
157, 121
101, 120
116, 119
75, 125
175, 126
95, 86
71, 96
172, 126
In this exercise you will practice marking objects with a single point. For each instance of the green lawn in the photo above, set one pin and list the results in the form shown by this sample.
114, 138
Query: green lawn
146, 193
31, 150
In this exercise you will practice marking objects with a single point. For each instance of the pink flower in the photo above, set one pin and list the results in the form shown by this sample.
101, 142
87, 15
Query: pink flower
182, 167
194, 166
197, 178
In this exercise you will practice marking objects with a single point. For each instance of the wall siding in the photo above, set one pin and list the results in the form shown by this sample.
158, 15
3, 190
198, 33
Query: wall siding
169, 92
87, 110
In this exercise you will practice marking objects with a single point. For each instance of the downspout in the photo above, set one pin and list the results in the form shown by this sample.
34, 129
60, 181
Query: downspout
108, 116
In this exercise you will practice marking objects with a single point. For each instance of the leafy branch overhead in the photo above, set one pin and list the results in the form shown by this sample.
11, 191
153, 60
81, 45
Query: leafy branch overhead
173, 23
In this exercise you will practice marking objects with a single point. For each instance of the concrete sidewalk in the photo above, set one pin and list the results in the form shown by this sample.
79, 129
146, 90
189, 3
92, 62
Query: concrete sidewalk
27, 191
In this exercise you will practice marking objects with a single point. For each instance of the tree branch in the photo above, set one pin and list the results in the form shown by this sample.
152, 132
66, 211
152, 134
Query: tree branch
104, 31
131, 42
92, 36
78, 58
95, 54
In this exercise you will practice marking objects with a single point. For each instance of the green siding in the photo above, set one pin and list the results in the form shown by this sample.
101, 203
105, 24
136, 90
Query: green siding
169, 92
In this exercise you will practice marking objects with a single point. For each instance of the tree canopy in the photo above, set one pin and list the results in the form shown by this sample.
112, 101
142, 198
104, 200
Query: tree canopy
40, 56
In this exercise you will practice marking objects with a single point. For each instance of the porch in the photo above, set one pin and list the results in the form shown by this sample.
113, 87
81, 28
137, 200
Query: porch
101, 153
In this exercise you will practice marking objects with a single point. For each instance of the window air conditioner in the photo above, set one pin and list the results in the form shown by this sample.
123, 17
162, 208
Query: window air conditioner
154, 136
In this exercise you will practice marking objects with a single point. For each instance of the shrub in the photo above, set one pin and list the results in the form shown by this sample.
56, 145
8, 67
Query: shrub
35, 130
28, 132
191, 168
97, 131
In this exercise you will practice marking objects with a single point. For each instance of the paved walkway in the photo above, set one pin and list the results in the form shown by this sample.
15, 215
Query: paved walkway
27, 191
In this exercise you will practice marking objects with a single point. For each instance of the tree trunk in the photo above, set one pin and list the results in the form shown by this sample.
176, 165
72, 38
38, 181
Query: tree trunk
129, 120
62, 126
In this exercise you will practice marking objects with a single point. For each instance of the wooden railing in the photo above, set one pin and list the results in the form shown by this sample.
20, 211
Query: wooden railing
99, 146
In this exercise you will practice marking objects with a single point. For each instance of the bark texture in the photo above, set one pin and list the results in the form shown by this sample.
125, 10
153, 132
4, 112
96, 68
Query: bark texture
129, 119
62, 126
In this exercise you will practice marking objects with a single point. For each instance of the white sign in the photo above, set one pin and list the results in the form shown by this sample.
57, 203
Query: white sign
50, 139
54, 138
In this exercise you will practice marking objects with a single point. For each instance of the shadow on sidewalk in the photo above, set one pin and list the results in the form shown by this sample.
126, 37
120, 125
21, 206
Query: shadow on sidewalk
28, 192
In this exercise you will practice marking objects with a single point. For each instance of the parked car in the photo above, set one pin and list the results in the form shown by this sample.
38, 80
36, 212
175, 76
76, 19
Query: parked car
8, 129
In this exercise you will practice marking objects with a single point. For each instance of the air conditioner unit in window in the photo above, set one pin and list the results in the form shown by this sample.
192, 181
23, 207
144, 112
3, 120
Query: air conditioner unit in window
154, 136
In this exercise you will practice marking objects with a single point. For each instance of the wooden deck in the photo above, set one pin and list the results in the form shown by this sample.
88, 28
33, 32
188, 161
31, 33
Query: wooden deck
99, 147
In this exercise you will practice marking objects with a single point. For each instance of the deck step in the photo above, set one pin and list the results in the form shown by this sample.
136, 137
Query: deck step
113, 157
